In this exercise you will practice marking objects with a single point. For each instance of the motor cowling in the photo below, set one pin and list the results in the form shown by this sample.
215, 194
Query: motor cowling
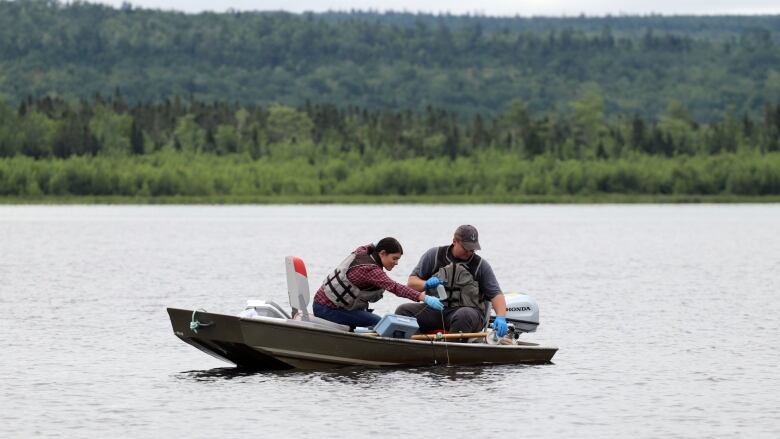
522, 311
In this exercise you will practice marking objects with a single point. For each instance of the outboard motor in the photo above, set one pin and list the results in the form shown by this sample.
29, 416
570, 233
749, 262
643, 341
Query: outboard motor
522, 315
522, 311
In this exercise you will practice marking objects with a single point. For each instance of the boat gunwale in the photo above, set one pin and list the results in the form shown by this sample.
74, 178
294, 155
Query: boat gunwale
314, 327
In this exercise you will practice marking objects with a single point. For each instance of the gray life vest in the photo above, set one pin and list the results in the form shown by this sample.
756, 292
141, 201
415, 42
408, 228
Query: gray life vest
460, 279
342, 292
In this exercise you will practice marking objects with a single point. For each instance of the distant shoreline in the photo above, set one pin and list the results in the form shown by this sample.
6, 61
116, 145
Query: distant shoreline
391, 199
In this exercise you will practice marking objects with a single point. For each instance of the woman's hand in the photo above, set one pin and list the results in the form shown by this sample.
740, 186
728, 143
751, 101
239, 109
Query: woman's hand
432, 302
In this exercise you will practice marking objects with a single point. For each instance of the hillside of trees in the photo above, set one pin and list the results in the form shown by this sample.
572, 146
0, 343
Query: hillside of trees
105, 147
147, 104
466, 65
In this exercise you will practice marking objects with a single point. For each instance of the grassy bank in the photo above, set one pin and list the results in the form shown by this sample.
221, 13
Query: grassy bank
390, 199
492, 177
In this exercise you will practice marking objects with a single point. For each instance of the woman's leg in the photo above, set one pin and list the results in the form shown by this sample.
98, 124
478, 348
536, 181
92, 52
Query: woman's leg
427, 318
352, 318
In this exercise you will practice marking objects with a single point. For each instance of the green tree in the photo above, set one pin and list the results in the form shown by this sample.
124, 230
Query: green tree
36, 134
288, 125
137, 141
226, 139
677, 125
188, 135
9, 132
589, 122
514, 126
111, 130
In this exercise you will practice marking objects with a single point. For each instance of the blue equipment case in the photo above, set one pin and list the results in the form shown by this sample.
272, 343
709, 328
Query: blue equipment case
395, 326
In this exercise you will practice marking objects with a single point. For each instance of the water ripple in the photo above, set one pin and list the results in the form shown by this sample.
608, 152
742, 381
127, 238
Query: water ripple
666, 318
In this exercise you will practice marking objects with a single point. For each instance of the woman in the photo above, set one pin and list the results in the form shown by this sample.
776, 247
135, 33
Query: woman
359, 280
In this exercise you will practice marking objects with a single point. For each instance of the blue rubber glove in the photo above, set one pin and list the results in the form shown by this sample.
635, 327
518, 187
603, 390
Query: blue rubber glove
499, 324
436, 304
432, 283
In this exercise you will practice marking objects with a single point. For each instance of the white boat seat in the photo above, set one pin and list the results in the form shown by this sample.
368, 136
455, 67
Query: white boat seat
312, 321
298, 292
323, 322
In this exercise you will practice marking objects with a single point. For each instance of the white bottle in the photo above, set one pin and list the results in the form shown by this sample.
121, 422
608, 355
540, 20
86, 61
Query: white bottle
441, 292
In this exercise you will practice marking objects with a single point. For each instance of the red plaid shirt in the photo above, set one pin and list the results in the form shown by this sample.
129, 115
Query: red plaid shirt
369, 277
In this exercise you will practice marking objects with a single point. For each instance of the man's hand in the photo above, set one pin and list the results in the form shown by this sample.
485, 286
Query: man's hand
499, 324
432, 283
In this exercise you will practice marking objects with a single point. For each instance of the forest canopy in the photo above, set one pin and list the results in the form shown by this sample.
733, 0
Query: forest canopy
192, 148
465, 64
97, 101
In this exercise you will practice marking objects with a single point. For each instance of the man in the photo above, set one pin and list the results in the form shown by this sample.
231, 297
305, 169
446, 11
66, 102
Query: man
468, 280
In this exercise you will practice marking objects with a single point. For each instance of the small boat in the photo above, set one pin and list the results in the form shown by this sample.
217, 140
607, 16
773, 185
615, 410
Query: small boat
265, 337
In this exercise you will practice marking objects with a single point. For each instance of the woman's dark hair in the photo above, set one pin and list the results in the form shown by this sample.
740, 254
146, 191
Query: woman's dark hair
390, 245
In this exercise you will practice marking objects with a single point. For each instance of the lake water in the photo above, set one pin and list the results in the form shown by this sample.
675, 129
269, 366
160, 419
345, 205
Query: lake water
666, 316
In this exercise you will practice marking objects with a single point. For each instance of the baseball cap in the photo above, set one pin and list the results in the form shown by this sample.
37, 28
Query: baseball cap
468, 236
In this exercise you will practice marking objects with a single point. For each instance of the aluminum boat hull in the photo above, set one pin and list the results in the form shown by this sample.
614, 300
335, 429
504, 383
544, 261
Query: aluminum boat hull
270, 343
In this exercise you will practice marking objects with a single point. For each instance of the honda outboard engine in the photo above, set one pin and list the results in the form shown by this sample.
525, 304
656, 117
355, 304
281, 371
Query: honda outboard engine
522, 315
522, 311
